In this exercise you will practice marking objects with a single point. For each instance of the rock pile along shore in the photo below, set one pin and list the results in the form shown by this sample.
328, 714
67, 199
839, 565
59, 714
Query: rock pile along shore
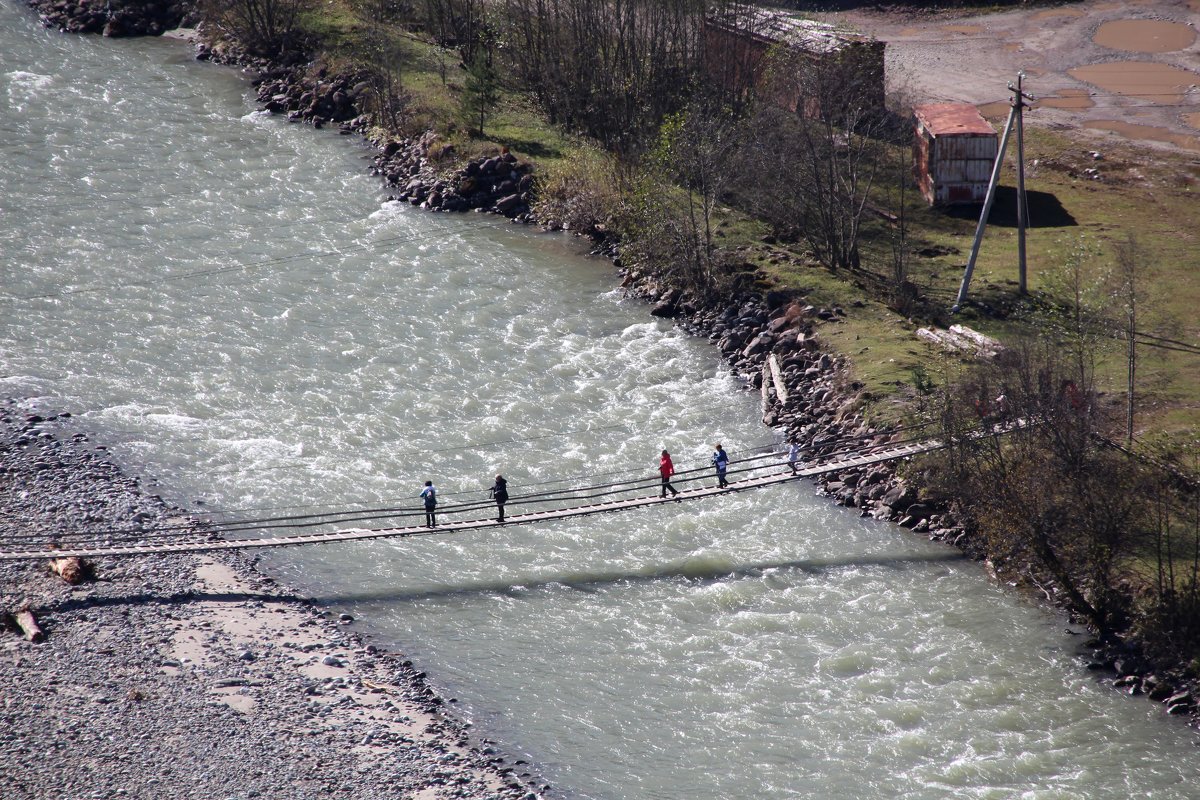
114, 17
196, 676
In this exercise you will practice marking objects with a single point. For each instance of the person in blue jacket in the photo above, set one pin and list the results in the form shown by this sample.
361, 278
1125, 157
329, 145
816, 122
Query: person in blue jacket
720, 460
429, 495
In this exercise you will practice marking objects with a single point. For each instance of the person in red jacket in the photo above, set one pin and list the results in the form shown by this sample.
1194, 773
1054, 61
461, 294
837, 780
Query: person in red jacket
666, 469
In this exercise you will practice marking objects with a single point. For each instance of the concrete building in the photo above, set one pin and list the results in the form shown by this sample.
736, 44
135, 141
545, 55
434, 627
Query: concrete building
739, 43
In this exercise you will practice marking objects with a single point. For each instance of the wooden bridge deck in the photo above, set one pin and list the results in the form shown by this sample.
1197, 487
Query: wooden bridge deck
212, 542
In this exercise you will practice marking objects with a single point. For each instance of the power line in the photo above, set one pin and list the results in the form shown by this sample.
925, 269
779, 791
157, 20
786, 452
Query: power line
1164, 339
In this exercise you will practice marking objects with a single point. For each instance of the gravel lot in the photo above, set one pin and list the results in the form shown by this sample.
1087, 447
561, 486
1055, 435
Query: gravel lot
972, 58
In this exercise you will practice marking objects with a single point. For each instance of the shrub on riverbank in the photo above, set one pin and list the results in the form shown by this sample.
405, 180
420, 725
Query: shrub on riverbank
1107, 535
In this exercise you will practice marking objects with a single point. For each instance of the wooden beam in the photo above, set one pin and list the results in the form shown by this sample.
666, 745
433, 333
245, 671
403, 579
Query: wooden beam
781, 391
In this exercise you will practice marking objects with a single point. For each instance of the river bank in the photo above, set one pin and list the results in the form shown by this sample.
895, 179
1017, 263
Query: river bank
191, 676
749, 323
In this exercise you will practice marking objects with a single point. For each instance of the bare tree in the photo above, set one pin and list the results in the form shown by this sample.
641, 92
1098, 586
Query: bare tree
692, 163
1128, 293
811, 173
611, 69
383, 62
267, 28
1050, 494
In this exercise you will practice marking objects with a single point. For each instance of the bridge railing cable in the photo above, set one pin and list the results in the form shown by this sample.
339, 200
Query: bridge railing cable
191, 528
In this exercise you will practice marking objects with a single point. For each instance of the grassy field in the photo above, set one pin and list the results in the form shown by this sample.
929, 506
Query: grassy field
1134, 190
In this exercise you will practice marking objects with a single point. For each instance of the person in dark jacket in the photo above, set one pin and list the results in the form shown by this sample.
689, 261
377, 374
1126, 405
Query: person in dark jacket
499, 491
666, 469
429, 495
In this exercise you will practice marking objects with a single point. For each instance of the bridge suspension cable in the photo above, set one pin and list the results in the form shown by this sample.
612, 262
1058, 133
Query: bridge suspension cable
629, 481
192, 535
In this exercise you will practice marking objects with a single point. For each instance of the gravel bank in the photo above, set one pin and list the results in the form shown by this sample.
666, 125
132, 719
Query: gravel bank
196, 676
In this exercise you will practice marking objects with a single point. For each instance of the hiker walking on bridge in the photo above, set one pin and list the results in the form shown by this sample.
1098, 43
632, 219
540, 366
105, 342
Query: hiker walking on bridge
499, 492
720, 460
429, 495
666, 469
794, 457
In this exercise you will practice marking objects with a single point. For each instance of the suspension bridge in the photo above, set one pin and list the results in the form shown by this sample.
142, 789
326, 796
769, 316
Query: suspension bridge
192, 535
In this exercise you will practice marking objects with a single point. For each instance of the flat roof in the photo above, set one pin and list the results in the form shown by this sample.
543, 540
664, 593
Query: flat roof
777, 26
942, 119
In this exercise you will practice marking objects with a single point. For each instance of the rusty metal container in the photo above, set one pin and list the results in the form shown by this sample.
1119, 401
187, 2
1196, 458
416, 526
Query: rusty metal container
954, 149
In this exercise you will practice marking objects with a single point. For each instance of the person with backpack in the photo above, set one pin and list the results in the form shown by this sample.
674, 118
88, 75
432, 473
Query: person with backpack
666, 469
720, 460
429, 495
499, 492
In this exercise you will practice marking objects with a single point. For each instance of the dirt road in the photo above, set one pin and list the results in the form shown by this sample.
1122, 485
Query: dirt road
1126, 68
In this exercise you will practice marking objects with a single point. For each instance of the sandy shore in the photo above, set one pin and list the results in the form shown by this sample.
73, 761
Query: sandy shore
196, 676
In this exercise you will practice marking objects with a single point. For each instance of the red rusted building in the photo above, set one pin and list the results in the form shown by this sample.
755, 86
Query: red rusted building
954, 149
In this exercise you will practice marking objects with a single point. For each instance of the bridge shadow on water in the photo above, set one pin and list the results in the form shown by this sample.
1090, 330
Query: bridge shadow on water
700, 570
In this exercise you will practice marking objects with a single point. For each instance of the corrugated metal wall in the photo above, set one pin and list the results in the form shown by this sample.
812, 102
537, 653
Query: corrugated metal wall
953, 168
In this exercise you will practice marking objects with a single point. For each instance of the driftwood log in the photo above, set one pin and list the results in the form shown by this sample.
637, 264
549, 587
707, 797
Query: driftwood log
28, 625
73, 570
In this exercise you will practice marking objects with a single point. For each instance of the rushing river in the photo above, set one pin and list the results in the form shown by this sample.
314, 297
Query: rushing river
231, 303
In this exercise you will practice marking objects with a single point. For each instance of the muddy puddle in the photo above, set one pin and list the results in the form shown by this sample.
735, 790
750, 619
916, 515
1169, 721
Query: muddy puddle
1059, 12
998, 109
1147, 133
966, 30
1069, 99
1156, 83
1145, 35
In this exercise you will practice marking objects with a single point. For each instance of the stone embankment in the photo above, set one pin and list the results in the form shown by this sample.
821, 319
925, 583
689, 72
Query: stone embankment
425, 170
499, 183
191, 677
313, 96
114, 17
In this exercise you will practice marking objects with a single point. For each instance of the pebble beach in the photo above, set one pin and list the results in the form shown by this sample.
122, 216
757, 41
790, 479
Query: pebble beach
197, 676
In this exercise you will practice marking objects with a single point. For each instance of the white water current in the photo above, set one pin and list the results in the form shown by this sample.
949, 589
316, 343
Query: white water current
228, 302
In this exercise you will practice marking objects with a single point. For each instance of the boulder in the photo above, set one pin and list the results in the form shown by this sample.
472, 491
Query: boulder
918, 510
778, 325
899, 497
758, 345
666, 308
508, 204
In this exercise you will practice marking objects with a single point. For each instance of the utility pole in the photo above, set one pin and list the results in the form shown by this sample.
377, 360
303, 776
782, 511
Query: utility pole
1018, 104
1014, 115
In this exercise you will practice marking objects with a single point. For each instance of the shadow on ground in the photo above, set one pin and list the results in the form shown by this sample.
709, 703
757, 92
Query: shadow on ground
1045, 211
